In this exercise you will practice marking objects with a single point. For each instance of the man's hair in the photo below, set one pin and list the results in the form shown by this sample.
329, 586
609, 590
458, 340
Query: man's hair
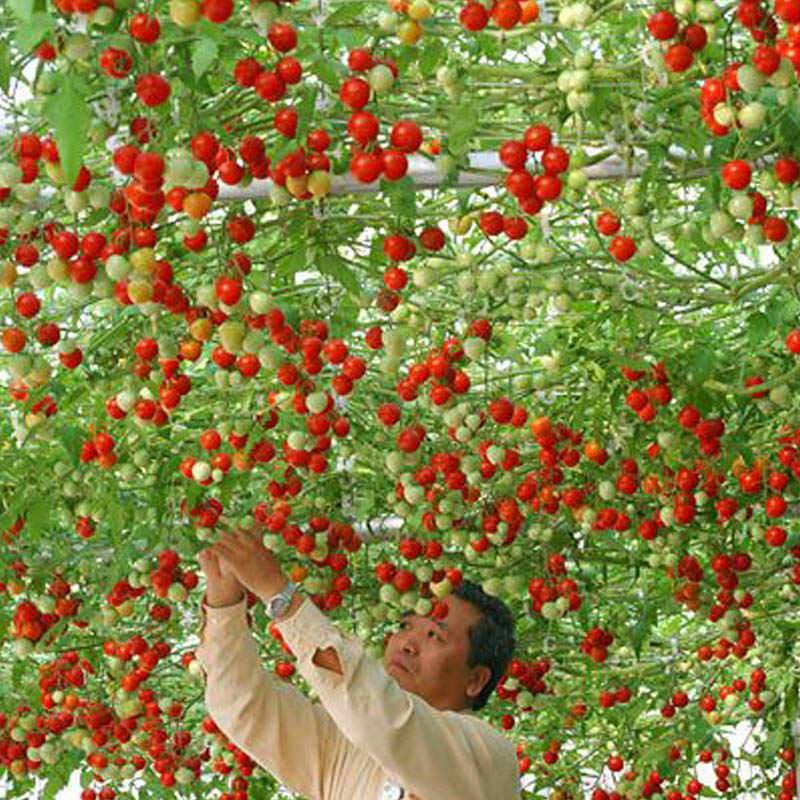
491, 639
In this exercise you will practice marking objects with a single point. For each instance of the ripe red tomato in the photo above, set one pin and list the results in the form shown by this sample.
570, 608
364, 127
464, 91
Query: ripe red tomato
555, 160
285, 122
622, 248
318, 140
144, 28
354, 93
290, 69
152, 89
363, 126
787, 169
282, 36
474, 17
678, 58
216, 11
608, 224
793, 341
228, 290
736, 174
246, 71
360, 60
766, 59
662, 25
507, 13
513, 154
537, 137
515, 227
394, 164
775, 229
694, 37
241, 229
406, 136
432, 239
520, 183
491, 222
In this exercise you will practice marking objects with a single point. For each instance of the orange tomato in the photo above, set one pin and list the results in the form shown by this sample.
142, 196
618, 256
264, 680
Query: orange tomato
530, 11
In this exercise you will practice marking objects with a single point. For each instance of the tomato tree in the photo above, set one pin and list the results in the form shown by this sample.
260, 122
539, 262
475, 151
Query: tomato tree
493, 291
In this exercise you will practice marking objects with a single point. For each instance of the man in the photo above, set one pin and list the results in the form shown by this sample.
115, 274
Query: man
406, 729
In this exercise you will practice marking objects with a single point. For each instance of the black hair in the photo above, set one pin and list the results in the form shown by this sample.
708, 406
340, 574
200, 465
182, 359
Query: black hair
491, 639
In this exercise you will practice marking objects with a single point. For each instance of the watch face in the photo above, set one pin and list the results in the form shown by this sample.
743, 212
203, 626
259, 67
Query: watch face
278, 606
391, 791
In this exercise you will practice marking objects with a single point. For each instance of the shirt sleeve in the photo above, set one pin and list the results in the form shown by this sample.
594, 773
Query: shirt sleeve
432, 753
274, 723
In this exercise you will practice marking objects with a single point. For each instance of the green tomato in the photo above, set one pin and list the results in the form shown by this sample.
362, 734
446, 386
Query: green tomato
380, 78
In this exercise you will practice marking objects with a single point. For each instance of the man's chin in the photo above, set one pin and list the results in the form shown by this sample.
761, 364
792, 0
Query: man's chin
402, 676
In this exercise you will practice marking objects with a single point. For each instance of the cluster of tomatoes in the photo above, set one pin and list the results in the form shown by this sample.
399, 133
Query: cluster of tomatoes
339, 539
171, 390
169, 573
737, 175
506, 14
122, 591
621, 247
60, 674
522, 675
645, 401
547, 590
30, 623
688, 40
596, 643
100, 448
370, 160
531, 190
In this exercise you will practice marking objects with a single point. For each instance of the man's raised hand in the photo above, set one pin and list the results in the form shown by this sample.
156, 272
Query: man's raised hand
243, 554
222, 588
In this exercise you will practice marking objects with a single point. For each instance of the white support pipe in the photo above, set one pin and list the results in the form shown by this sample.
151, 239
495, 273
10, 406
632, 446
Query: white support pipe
484, 169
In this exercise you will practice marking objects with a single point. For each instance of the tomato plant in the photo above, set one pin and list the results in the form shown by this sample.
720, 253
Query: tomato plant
433, 291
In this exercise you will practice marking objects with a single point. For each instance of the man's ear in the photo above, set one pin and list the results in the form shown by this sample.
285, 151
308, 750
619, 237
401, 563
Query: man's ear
479, 676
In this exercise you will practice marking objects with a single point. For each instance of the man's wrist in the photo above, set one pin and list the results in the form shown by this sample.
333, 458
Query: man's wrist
270, 589
213, 601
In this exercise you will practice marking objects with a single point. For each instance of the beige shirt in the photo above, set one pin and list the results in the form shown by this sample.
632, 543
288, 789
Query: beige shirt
365, 730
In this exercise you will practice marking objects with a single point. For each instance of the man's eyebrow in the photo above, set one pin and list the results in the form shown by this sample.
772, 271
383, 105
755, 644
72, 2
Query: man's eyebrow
410, 613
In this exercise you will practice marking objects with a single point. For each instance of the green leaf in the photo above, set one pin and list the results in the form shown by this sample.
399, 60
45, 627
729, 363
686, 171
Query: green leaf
432, 54
759, 328
402, 197
463, 122
700, 361
327, 71
789, 127
33, 31
295, 260
344, 318
37, 515
204, 54
305, 112
23, 9
335, 266
5, 67
346, 12
72, 437
68, 113
643, 626
774, 741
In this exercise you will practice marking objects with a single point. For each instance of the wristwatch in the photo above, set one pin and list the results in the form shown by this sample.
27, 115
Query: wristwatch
277, 604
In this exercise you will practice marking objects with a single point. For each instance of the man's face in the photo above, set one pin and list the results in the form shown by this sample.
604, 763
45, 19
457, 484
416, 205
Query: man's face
429, 657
